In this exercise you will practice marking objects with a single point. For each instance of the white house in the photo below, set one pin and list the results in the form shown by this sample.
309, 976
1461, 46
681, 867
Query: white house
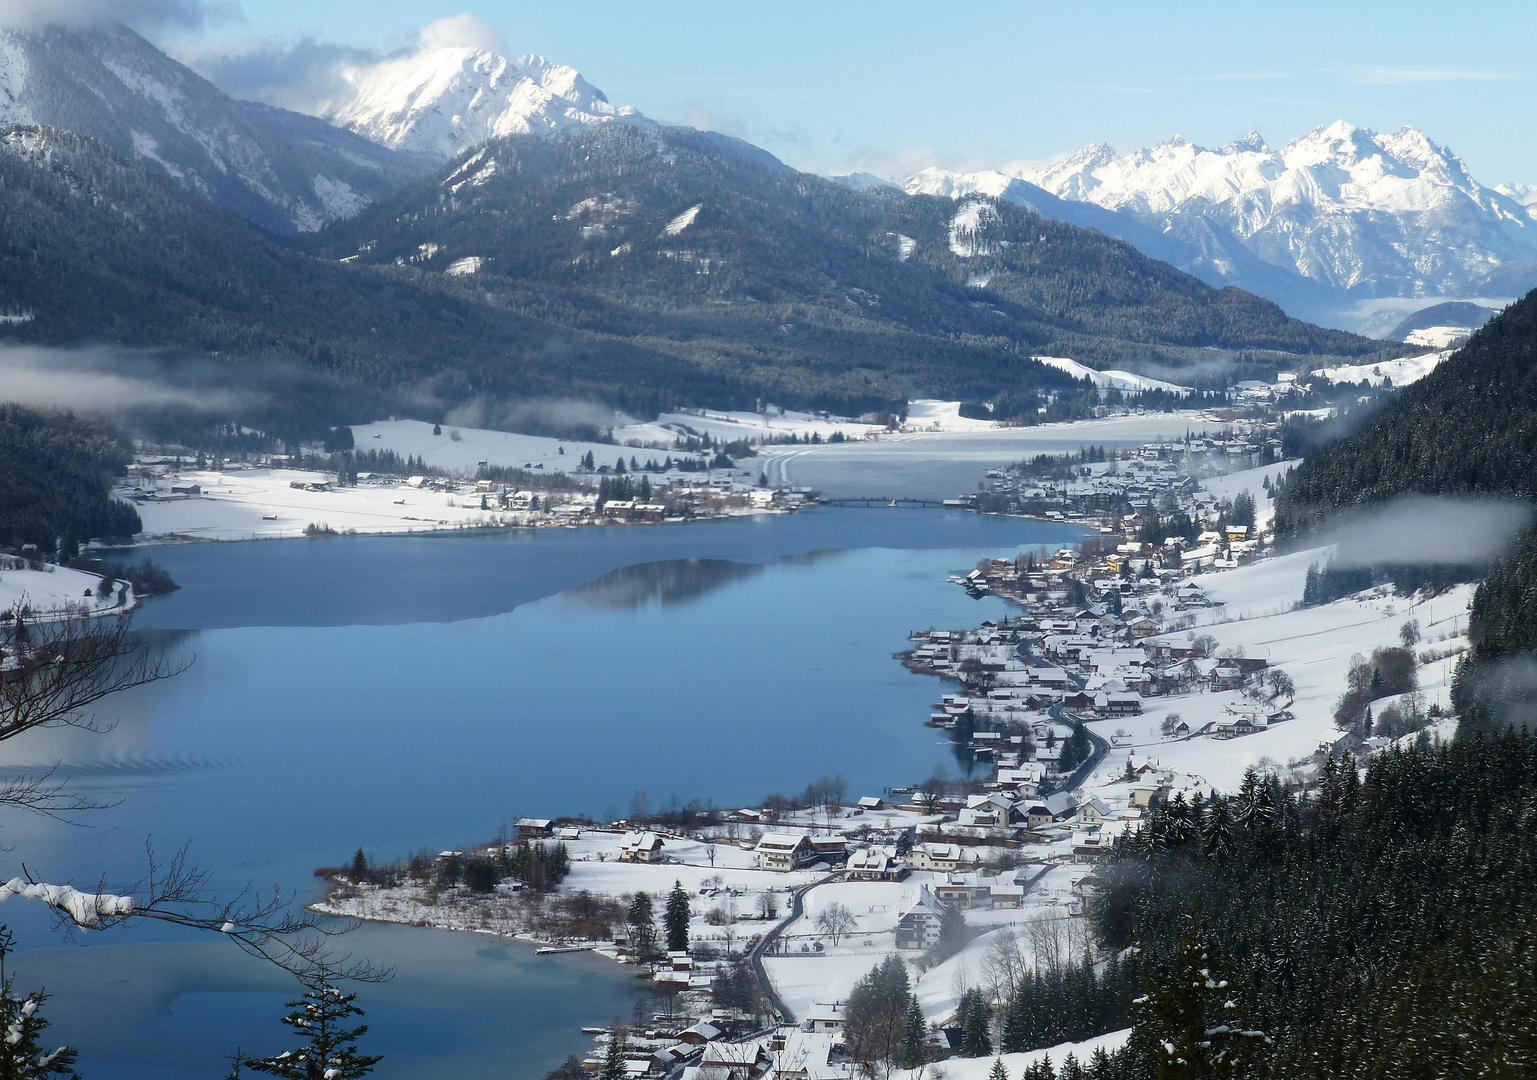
784, 852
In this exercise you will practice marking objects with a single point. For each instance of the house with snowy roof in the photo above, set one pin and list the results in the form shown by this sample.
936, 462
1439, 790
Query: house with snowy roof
643, 847
918, 928
784, 852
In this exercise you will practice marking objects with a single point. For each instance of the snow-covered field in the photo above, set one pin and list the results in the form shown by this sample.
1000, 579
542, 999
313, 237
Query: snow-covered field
55, 589
1313, 646
462, 449
1252, 481
252, 504
1402, 371
1110, 378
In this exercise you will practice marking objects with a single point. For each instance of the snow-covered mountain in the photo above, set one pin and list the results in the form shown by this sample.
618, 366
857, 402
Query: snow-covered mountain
443, 100
1361, 214
285, 171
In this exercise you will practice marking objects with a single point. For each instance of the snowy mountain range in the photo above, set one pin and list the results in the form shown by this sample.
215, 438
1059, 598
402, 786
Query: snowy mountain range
285, 171
444, 100
1343, 212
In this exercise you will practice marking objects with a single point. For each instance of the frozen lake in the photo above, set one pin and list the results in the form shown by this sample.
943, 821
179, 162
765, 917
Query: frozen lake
401, 693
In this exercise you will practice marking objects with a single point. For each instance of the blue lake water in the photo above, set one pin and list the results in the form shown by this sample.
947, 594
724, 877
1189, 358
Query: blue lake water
408, 693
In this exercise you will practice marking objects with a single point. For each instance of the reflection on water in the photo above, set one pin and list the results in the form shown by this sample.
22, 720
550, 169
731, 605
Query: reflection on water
415, 694
676, 581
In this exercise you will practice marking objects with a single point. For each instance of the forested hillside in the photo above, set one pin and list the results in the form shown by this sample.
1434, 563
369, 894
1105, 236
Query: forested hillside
55, 481
1386, 927
1469, 426
609, 266
96, 249
712, 250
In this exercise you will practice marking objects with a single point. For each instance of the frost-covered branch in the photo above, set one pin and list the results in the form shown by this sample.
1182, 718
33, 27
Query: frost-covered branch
178, 893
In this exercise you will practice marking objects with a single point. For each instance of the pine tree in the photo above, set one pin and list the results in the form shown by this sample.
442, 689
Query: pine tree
642, 927
976, 1018
1191, 1023
914, 1036
613, 1067
998, 1071
22, 1057
675, 918
330, 1051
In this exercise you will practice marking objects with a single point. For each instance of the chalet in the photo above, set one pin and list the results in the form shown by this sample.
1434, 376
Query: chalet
1149, 795
535, 828
1233, 727
1043, 812
872, 802
918, 928
1237, 534
1093, 812
875, 864
1088, 848
830, 849
1142, 627
1008, 896
1122, 705
700, 1034
960, 891
991, 810
1022, 779
643, 847
1226, 676
1079, 700
941, 857
744, 1061
784, 852
824, 1016
1181, 730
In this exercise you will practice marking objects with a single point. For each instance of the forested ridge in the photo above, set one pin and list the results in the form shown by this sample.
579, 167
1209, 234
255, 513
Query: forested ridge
55, 481
1468, 426
782, 287
1384, 927
705, 246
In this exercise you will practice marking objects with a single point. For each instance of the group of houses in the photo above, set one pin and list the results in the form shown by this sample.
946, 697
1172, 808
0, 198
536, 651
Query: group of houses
1154, 477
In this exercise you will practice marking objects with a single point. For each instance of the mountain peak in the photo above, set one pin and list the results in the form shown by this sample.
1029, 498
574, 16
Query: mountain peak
441, 100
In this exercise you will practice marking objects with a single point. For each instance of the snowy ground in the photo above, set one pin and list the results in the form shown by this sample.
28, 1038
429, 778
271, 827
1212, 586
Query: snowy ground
1252, 481
1313, 646
56, 589
960, 1068
806, 978
462, 449
414, 438
1109, 378
260, 504
1403, 371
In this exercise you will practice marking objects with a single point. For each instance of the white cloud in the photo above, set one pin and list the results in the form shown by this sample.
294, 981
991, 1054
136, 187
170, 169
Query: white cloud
142, 14
101, 380
1412, 74
306, 74
463, 31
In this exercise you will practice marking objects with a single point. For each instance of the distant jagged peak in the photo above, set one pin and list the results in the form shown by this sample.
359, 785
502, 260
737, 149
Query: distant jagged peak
444, 98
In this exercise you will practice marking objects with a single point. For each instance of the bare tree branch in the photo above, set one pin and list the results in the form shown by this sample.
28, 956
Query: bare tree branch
179, 893
51, 673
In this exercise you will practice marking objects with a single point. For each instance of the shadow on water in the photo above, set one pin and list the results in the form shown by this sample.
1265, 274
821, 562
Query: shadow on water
670, 583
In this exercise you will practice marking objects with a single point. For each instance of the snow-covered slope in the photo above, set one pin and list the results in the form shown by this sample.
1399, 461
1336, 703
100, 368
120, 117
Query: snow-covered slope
441, 101
1402, 371
285, 171
1352, 210
1110, 379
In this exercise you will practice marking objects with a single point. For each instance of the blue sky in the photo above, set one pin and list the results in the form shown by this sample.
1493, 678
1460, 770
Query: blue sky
894, 86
